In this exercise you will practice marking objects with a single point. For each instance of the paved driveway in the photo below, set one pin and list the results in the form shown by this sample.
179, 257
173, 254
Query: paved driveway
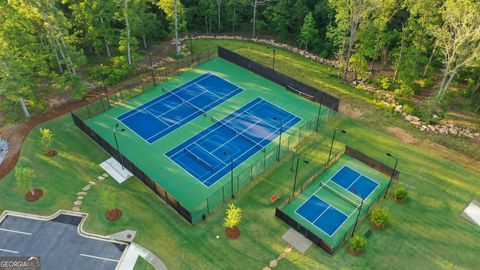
58, 243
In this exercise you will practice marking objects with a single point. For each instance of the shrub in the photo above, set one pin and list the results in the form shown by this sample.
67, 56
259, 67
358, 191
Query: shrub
379, 216
234, 216
428, 113
357, 243
46, 137
401, 194
24, 178
408, 108
404, 90
382, 82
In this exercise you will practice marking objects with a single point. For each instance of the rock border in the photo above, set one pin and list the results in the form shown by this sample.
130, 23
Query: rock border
387, 98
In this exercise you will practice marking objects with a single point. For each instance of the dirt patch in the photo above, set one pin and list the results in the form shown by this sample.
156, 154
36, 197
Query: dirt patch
350, 111
402, 134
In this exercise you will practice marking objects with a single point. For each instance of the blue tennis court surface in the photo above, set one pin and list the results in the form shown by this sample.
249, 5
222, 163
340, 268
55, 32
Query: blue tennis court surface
208, 155
163, 114
355, 182
321, 214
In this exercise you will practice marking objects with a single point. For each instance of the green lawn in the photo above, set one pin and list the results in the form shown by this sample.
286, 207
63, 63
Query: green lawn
425, 233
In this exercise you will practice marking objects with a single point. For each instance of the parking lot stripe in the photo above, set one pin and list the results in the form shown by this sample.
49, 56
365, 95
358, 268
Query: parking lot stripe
7, 250
100, 258
13, 231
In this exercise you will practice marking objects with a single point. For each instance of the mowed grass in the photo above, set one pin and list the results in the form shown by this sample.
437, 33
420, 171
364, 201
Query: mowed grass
425, 233
365, 107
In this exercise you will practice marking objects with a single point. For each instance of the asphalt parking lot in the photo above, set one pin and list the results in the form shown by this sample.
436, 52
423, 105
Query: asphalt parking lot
58, 243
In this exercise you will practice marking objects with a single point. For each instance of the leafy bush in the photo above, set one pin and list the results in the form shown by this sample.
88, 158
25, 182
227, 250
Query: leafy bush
407, 108
379, 216
357, 243
382, 82
405, 90
401, 194
24, 178
428, 113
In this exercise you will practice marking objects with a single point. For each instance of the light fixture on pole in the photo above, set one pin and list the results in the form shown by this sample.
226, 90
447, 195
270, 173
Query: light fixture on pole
393, 174
331, 145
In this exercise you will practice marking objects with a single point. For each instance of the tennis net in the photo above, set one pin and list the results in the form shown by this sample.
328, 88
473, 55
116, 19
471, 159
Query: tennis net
355, 202
237, 133
197, 159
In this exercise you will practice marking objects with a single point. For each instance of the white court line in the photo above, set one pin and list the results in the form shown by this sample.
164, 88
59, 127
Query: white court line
99, 258
238, 134
377, 184
258, 144
13, 231
206, 89
329, 206
10, 251
180, 104
194, 97
163, 96
205, 135
259, 100
211, 153
168, 125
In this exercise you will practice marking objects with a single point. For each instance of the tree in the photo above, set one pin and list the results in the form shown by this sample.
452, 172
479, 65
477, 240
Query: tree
24, 178
174, 11
349, 14
219, 3
308, 31
458, 38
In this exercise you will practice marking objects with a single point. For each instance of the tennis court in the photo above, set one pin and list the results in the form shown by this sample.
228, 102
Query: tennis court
329, 207
355, 182
218, 149
166, 113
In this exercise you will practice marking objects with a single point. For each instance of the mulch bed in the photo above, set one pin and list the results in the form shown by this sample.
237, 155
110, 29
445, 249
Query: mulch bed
232, 233
38, 193
377, 227
113, 214
50, 153
354, 252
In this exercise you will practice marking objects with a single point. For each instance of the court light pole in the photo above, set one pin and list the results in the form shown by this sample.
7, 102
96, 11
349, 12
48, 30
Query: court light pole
319, 112
280, 137
333, 140
115, 129
296, 174
294, 150
151, 68
358, 215
393, 174
231, 170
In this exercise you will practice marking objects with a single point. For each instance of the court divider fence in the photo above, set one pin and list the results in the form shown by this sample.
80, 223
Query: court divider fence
270, 155
289, 83
364, 211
